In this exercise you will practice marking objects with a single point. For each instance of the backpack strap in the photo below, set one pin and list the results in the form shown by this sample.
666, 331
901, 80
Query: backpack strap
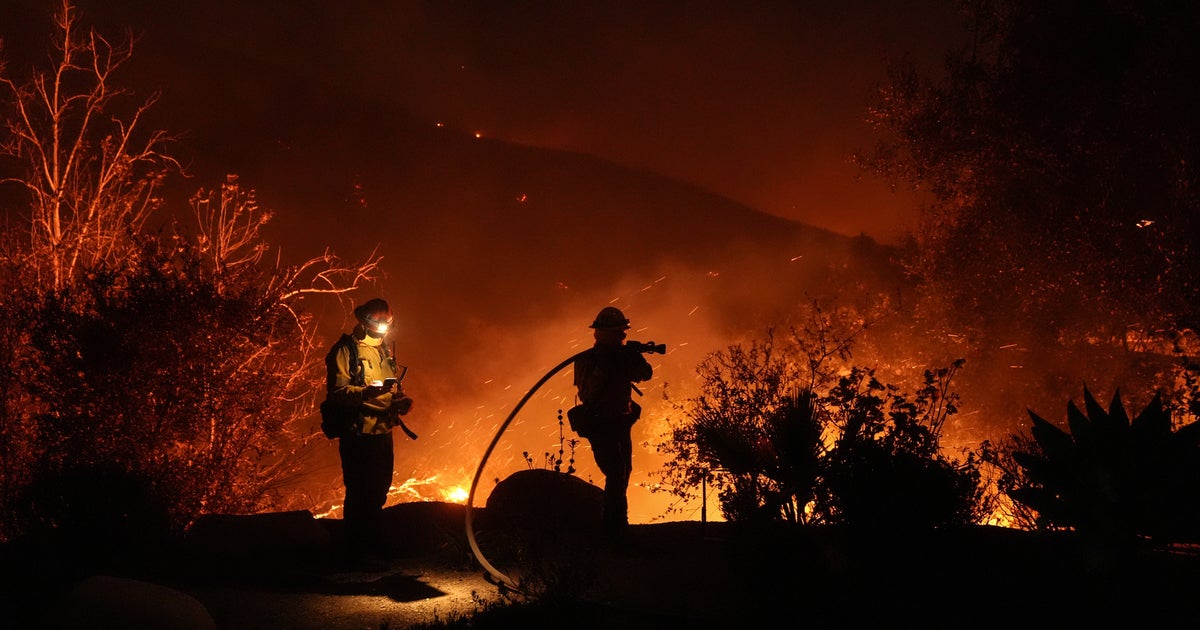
355, 365
389, 351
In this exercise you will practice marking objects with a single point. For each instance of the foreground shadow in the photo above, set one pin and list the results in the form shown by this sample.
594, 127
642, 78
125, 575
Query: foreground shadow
397, 587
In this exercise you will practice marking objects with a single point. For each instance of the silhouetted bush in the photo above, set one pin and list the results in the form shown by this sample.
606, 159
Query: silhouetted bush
856, 452
151, 373
886, 468
93, 516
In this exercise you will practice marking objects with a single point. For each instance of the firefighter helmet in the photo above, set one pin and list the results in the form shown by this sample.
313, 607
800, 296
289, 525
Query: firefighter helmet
375, 316
611, 318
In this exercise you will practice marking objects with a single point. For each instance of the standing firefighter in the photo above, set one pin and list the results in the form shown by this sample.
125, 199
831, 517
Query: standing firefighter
604, 377
362, 381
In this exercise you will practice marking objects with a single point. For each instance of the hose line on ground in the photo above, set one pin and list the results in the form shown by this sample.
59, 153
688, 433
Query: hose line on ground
497, 574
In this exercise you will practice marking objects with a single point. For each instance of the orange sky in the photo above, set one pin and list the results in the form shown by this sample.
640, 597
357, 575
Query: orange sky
758, 101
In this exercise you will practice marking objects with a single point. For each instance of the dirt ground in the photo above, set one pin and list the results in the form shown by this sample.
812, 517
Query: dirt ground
283, 571
275, 571
669, 585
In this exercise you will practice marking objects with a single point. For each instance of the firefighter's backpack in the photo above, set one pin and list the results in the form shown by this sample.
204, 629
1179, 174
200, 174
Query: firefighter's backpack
339, 420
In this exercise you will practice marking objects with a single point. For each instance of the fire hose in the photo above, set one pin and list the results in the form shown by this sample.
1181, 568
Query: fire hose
498, 575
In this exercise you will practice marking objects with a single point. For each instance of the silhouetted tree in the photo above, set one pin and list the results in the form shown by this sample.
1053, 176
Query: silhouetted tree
778, 433
1060, 148
886, 468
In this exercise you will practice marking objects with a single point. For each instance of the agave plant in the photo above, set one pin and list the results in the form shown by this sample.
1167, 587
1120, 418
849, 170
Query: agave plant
1111, 477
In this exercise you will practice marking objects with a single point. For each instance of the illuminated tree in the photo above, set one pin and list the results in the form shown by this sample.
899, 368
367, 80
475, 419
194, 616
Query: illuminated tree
91, 175
1060, 151
156, 375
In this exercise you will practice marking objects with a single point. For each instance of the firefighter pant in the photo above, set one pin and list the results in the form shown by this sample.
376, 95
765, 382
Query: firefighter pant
613, 450
367, 462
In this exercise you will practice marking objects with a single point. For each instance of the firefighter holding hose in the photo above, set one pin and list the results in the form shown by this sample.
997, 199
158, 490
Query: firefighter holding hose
604, 378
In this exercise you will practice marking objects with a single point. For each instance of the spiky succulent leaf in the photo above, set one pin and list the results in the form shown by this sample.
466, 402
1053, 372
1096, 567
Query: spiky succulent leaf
1039, 469
1154, 419
1188, 434
1124, 480
1083, 432
1055, 442
1150, 434
1111, 423
1116, 409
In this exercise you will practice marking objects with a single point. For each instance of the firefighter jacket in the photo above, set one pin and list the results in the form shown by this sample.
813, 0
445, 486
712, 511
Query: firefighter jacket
605, 374
343, 388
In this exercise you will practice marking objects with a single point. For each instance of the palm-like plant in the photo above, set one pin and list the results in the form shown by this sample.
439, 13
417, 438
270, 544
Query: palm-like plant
1112, 477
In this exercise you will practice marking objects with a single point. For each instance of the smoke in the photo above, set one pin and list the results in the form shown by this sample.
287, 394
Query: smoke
470, 374
501, 366
482, 318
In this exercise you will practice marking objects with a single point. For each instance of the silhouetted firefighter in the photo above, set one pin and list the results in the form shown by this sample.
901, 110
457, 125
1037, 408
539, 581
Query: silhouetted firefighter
604, 377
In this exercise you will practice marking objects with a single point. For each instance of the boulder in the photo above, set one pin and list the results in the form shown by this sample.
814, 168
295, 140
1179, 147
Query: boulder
544, 528
540, 507
420, 527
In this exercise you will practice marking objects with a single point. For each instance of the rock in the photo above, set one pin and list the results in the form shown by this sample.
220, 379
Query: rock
543, 529
269, 542
420, 527
541, 498
534, 511
103, 602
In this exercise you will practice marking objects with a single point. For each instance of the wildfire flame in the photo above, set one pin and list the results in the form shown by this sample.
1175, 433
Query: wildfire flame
457, 494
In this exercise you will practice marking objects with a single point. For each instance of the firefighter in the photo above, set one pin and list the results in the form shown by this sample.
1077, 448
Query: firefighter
604, 378
372, 392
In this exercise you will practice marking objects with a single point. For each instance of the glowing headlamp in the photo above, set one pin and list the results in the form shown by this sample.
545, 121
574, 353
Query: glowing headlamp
377, 326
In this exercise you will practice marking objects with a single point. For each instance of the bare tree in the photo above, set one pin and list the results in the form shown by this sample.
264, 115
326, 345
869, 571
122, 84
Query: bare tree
229, 223
190, 359
91, 174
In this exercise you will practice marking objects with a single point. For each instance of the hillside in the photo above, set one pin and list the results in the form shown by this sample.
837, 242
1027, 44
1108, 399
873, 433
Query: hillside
517, 224
497, 257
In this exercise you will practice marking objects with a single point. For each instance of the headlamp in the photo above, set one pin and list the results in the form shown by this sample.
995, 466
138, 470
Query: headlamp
378, 326
375, 317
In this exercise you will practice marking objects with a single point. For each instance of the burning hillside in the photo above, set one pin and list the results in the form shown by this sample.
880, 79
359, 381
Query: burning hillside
497, 256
